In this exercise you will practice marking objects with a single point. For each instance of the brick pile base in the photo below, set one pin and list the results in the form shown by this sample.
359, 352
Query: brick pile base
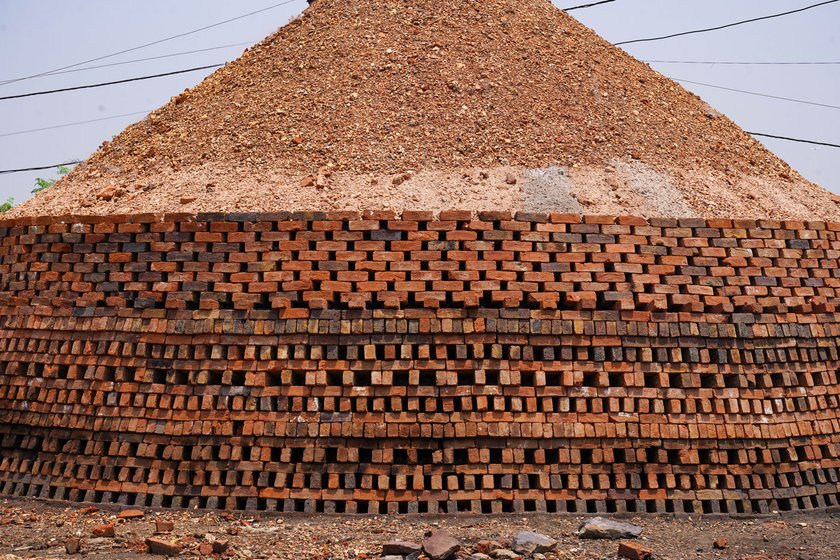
371, 364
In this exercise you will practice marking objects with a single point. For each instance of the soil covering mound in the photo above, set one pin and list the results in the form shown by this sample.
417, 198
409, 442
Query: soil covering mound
468, 104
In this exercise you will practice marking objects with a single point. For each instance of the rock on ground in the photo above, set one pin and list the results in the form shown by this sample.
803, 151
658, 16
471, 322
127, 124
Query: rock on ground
600, 528
163, 547
400, 548
440, 546
528, 542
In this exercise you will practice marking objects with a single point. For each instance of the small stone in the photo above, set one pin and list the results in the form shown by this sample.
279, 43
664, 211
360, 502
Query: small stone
162, 547
88, 510
711, 112
187, 199
528, 542
308, 181
107, 193
510, 179
538, 556
400, 179
478, 556
440, 546
721, 543
131, 514
600, 528
164, 526
400, 548
634, 551
104, 530
59, 523
205, 549
220, 546
486, 547
391, 557
505, 554
73, 546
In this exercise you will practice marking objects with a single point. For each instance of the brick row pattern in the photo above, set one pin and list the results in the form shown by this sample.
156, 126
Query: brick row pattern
365, 363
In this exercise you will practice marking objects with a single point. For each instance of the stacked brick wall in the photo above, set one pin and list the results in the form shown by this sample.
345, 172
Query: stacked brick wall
367, 363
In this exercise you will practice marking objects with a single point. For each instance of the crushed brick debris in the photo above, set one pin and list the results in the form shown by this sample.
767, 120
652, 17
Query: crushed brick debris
376, 88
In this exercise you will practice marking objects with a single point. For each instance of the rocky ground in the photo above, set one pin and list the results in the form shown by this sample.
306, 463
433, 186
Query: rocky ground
30, 529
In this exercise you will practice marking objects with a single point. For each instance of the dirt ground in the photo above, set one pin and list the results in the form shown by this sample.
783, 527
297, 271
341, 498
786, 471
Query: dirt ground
34, 529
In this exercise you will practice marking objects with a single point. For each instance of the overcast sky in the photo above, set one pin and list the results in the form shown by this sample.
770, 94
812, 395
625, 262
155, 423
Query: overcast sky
41, 35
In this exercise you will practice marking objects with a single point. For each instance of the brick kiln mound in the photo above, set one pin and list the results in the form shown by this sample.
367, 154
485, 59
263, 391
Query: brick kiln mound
493, 104
345, 363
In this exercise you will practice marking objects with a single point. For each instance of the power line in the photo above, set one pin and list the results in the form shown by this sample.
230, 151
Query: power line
39, 168
728, 25
742, 63
759, 94
159, 41
103, 84
573, 8
20, 132
133, 61
795, 139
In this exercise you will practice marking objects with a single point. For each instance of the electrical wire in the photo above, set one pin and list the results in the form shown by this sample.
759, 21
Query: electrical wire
814, 103
744, 63
31, 130
103, 84
794, 139
573, 8
140, 78
136, 60
143, 46
39, 168
728, 25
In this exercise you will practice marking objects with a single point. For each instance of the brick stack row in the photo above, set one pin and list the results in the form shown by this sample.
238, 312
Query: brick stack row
369, 363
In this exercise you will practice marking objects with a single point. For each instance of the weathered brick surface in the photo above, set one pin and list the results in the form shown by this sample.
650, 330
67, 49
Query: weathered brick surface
369, 363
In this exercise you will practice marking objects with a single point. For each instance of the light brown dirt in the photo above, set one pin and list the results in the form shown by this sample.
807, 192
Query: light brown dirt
374, 88
40, 530
626, 188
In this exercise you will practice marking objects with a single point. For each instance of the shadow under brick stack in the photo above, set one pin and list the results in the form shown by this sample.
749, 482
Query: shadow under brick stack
415, 359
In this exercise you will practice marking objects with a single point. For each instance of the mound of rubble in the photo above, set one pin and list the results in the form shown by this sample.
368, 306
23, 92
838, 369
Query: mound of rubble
423, 105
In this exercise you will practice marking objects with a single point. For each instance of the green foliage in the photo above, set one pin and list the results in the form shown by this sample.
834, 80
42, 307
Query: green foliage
6, 206
44, 184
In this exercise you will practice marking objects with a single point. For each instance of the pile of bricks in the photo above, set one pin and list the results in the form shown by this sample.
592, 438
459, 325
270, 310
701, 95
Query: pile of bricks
365, 363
